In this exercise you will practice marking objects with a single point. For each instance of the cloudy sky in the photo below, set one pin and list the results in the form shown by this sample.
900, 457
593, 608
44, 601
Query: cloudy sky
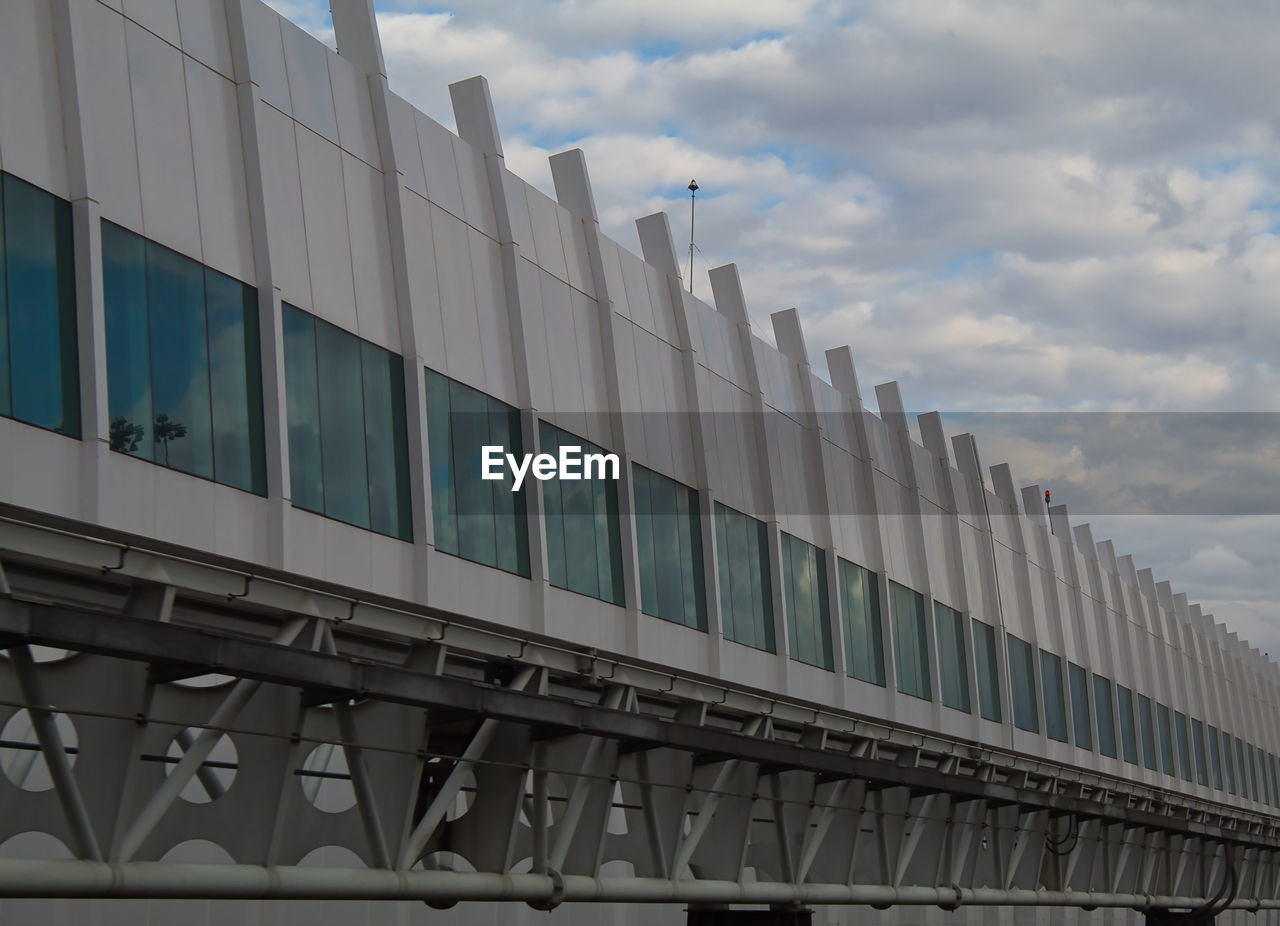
1033, 207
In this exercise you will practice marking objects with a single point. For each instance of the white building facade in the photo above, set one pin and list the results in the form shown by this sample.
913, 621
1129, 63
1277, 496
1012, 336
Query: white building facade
260, 310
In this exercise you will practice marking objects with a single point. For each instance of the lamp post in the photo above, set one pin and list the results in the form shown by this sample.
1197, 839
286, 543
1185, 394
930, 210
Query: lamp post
693, 192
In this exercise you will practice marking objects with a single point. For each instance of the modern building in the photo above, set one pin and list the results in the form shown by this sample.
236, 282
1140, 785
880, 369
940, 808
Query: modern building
259, 316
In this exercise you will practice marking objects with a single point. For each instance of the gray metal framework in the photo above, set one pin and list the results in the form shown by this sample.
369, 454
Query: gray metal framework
471, 765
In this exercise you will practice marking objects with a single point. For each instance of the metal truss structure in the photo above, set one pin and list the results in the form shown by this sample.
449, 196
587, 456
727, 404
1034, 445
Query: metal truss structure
191, 701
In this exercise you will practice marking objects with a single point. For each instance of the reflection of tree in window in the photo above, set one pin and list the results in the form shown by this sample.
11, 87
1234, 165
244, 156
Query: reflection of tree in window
125, 435
166, 431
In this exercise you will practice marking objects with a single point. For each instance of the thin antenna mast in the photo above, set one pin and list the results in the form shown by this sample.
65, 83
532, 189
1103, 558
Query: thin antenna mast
693, 192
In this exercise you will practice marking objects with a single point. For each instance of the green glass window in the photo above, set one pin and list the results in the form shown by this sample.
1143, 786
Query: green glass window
1242, 770
1215, 759
1146, 725
1183, 735
1128, 729
348, 440
910, 642
746, 596
1164, 726
478, 519
863, 640
804, 581
1022, 684
39, 382
1105, 712
1254, 784
1055, 706
669, 547
184, 385
987, 662
1082, 726
1197, 746
584, 545
953, 664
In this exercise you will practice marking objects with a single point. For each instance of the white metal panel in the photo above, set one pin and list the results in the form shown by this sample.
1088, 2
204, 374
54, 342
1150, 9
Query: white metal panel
424, 289
562, 346
353, 110
184, 508
111, 158
613, 280
463, 356
573, 235
225, 234
546, 233
594, 379
473, 182
529, 280
43, 471
163, 133
266, 54
680, 418
31, 135
518, 213
436, 143
325, 220
282, 193
308, 74
493, 318
664, 317
637, 289
158, 16
203, 27
131, 503
653, 401
370, 247
404, 141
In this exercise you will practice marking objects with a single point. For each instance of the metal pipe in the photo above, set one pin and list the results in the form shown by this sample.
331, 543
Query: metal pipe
157, 880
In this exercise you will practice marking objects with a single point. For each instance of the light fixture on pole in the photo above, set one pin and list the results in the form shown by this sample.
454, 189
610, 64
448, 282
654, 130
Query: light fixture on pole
693, 192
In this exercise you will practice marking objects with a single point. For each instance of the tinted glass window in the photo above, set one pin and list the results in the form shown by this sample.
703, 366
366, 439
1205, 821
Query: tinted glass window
1146, 723
1055, 706
863, 638
584, 545
1128, 731
910, 642
804, 570
39, 382
1198, 748
1183, 734
1164, 725
1022, 684
1078, 679
1228, 763
987, 664
476, 518
184, 385
348, 440
953, 664
1105, 712
1215, 759
669, 547
746, 595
